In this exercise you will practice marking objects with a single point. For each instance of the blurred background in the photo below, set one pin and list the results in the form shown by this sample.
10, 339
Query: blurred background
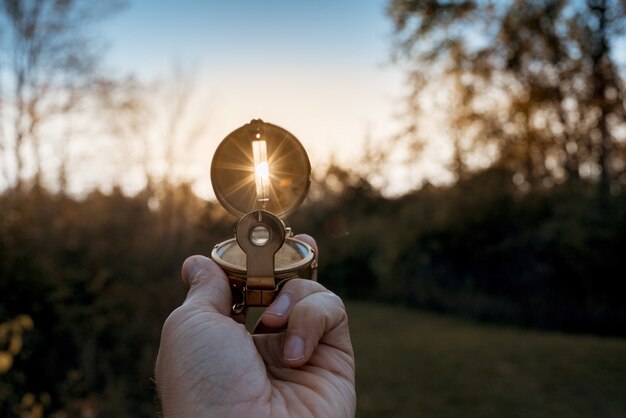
468, 195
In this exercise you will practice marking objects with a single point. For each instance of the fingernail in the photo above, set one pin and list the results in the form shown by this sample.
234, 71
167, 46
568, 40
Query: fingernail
294, 348
280, 307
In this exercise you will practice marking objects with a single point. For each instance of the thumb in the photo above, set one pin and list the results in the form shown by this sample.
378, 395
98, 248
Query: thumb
208, 285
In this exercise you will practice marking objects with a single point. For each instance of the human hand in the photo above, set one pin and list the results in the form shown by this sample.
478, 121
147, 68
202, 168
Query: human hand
210, 366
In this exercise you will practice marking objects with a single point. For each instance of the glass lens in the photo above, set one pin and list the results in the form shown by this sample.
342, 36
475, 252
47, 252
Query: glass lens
259, 235
276, 179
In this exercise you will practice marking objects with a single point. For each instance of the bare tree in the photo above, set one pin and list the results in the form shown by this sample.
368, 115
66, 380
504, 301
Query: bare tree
50, 70
181, 115
160, 125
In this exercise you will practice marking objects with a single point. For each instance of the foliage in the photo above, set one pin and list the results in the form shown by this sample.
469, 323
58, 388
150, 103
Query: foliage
97, 276
534, 86
481, 248
12, 335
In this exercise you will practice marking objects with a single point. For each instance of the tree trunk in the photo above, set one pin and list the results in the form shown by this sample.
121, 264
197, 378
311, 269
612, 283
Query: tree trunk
600, 61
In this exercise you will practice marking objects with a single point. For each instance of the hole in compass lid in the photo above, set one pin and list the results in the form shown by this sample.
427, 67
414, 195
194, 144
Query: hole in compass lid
259, 235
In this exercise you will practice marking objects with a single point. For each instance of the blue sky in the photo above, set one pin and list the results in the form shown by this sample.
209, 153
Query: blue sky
320, 69
268, 35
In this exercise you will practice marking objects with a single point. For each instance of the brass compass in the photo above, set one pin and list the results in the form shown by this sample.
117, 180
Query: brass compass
261, 173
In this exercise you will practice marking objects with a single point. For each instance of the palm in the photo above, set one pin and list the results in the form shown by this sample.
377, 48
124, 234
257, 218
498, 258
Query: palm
323, 385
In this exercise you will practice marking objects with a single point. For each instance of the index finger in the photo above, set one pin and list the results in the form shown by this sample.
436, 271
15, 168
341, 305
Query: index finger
275, 316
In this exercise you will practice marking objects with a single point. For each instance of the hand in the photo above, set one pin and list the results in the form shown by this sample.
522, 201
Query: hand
210, 366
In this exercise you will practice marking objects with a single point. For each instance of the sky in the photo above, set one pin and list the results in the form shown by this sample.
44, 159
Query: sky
320, 69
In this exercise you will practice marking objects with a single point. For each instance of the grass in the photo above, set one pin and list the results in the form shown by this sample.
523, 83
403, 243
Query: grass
416, 364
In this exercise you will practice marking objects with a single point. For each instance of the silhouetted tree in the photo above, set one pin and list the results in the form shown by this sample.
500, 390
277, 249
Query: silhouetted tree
49, 69
534, 83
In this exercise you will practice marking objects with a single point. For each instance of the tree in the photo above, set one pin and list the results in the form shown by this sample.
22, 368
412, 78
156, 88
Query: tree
162, 128
535, 83
49, 68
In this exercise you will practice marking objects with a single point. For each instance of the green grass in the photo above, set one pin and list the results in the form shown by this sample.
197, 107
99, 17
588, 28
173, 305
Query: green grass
416, 364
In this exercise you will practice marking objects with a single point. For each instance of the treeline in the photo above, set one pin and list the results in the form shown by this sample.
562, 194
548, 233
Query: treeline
97, 278
87, 283
552, 258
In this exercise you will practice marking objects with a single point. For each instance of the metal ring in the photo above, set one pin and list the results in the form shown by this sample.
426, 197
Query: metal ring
238, 308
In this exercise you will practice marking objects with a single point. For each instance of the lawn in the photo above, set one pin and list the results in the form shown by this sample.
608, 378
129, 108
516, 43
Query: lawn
416, 364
